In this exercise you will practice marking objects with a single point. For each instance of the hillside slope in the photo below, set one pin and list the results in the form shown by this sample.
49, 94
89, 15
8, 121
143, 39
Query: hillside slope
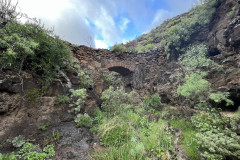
216, 25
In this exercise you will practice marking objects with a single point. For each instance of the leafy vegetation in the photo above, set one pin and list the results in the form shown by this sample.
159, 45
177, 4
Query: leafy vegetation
153, 101
125, 130
79, 95
18, 141
232, 11
27, 152
83, 120
62, 99
52, 137
118, 49
115, 101
195, 60
30, 151
216, 139
33, 95
112, 78
8, 156
85, 80
44, 126
195, 87
32, 48
174, 35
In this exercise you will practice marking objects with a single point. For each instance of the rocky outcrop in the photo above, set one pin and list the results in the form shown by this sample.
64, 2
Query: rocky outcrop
23, 108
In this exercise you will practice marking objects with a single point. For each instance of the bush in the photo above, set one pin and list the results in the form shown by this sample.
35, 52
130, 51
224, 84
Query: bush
80, 95
8, 12
195, 87
150, 47
8, 156
115, 101
85, 80
44, 126
62, 99
220, 97
35, 50
28, 152
153, 101
18, 141
114, 153
118, 49
112, 78
33, 95
216, 139
83, 120
195, 60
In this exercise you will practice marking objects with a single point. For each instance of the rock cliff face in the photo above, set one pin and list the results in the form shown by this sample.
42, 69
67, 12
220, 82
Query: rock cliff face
23, 109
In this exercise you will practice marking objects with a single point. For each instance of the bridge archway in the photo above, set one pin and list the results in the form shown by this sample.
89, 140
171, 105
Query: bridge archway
120, 68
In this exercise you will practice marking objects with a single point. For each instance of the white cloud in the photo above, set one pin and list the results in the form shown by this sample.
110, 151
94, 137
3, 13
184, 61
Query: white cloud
101, 44
46, 9
160, 16
76, 20
124, 24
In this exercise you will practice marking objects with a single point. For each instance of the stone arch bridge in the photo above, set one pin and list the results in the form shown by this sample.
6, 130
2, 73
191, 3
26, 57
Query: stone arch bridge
134, 66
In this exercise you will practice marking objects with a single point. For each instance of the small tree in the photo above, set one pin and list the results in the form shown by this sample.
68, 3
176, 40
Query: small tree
8, 12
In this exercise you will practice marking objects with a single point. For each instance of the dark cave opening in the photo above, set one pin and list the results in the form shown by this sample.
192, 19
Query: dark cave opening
213, 52
128, 88
235, 97
121, 70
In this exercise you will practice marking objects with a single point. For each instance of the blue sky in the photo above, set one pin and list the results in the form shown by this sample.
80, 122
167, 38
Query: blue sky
103, 23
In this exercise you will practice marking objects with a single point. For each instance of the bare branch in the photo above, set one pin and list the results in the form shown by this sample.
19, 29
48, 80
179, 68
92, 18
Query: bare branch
8, 12
89, 41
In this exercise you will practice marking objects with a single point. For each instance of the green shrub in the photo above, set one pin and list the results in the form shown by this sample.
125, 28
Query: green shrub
32, 48
33, 95
118, 49
195, 87
62, 99
231, 11
8, 156
115, 101
140, 48
112, 78
132, 50
150, 47
153, 101
216, 139
52, 137
85, 80
98, 119
44, 126
18, 141
80, 95
27, 152
83, 120
195, 60
220, 97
